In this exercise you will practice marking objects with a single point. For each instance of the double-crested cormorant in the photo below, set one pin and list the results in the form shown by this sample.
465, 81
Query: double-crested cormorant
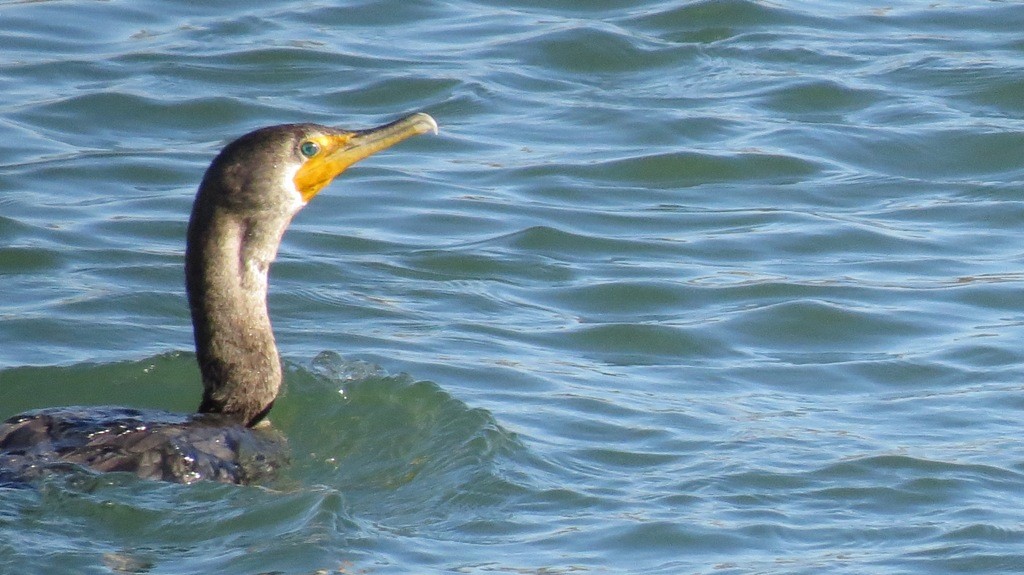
246, 200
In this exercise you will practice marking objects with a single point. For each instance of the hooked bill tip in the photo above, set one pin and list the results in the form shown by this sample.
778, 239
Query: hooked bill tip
425, 123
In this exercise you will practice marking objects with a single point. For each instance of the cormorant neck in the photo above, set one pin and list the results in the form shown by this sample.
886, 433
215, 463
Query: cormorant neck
227, 261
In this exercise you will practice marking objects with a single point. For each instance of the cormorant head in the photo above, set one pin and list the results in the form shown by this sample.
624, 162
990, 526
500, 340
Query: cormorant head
285, 166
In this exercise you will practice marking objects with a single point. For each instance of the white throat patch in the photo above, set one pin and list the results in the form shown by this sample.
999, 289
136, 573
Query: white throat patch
289, 184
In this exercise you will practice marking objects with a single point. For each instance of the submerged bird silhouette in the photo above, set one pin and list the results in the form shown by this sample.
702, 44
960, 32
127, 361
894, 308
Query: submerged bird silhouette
246, 200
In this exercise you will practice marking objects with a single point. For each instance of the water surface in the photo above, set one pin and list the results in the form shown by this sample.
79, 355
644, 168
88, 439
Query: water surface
681, 287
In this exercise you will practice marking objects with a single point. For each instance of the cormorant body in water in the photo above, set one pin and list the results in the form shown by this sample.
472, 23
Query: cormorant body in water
245, 202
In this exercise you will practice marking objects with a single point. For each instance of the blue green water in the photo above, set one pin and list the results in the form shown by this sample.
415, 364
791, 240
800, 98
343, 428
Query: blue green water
681, 287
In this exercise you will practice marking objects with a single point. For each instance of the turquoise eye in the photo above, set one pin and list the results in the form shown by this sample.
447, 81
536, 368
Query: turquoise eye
309, 149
